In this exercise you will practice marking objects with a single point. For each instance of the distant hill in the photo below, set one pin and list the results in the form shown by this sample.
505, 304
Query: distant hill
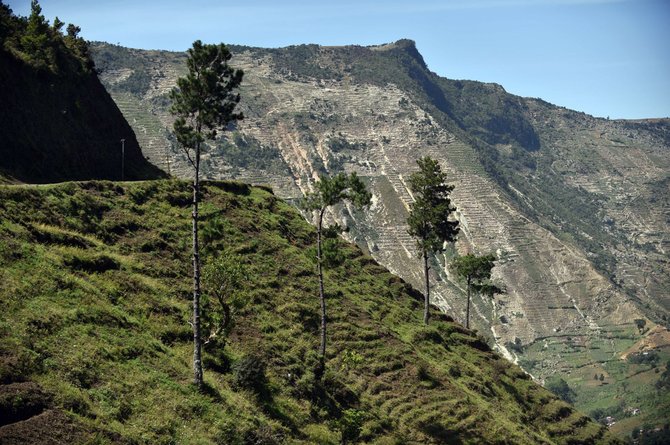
575, 207
96, 346
57, 121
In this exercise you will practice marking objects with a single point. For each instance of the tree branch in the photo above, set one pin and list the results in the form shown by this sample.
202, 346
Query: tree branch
188, 156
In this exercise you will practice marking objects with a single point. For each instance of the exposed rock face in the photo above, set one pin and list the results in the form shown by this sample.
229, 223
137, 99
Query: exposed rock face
575, 207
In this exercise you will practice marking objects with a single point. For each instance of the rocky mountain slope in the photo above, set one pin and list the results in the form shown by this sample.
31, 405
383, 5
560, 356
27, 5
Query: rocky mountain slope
575, 207
96, 347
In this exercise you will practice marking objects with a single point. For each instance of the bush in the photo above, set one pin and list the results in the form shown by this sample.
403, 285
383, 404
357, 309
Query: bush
304, 386
517, 346
351, 359
350, 424
646, 357
249, 373
320, 434
264, 435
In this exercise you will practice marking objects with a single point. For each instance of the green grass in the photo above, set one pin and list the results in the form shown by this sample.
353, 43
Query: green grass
95, 303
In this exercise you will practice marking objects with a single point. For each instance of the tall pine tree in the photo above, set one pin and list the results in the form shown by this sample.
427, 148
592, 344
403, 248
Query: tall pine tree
429, 219
203, 102
329, 191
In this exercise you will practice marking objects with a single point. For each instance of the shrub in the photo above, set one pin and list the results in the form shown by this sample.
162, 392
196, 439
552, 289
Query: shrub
351, 359
646, 357
350, 424
517, 346
304, 386
92, 263
321, 435
264, 435
249, 373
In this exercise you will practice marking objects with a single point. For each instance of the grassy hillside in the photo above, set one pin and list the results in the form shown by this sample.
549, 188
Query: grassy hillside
96, 346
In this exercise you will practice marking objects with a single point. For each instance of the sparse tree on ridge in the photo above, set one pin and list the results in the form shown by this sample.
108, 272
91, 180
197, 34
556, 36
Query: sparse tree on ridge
476, 270
329, 191
429, 219
203, 102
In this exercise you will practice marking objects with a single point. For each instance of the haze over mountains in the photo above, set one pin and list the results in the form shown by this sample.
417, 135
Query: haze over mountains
575, 207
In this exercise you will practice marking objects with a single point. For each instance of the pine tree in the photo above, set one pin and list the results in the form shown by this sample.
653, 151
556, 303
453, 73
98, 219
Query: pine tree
204, 102
476, 270
429, 219
327, 193
35, 42
57, 26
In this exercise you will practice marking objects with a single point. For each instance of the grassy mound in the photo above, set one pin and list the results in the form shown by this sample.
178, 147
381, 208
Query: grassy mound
95, 303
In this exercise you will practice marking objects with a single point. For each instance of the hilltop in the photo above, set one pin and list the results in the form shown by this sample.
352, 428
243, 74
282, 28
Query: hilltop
575, 207
57, 120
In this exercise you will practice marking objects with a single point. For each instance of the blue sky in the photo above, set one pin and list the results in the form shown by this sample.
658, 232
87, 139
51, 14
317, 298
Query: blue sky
603, 57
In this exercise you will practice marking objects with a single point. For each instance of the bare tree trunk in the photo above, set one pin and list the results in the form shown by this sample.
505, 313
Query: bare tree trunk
322, 297
426, 308
467, 307
197, 342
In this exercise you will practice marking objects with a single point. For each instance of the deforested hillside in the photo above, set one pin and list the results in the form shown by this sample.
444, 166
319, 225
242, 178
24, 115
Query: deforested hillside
57, 120
573, 206
97, 347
